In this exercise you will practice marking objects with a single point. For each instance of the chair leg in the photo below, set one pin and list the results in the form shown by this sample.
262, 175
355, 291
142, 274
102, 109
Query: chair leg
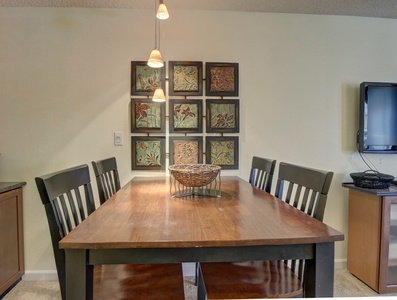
201, 291
196, 271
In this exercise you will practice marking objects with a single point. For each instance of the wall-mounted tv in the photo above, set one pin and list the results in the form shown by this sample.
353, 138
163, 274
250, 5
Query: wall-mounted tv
378, 118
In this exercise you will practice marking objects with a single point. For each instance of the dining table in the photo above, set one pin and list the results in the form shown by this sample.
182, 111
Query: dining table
145, 223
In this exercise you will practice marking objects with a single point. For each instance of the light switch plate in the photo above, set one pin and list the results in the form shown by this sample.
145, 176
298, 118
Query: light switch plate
118, 138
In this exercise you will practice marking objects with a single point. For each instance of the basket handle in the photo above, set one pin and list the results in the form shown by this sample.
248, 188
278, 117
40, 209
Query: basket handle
373, 171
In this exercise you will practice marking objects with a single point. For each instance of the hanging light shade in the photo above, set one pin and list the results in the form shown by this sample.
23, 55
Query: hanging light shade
158, 95
155, 60
162, 11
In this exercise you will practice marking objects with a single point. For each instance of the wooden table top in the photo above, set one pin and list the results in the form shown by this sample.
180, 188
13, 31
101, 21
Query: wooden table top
143, 214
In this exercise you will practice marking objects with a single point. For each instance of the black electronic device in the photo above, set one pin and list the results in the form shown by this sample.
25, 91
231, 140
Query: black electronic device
378, 118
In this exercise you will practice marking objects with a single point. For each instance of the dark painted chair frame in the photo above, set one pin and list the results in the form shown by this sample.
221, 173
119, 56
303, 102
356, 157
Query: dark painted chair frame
304, 188
59, 191
107, 178
262, 171
68, 199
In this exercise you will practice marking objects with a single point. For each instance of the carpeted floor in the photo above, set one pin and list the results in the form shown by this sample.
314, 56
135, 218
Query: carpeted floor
346, 285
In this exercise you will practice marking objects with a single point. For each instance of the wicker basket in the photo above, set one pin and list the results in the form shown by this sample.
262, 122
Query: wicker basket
372, 179
194, 175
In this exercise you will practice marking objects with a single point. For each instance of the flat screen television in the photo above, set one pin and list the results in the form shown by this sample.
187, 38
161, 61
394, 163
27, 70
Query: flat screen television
378, 118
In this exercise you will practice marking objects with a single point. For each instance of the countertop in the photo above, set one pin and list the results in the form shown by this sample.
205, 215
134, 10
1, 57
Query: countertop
8, 186
391, 191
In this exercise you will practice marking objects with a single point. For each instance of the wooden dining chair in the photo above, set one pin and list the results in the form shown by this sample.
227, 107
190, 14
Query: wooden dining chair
68, 199
301, 187
261, 174
107, 178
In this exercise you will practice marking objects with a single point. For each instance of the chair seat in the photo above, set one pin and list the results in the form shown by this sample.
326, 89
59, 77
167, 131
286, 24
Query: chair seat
250, 280
157, 281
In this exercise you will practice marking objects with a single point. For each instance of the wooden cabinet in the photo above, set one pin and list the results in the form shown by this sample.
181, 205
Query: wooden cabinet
11, 238
372, 237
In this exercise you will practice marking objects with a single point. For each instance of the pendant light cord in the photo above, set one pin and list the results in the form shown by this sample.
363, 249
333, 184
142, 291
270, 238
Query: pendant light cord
156, 27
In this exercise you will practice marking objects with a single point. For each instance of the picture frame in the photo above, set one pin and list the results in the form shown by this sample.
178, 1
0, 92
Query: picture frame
222, 151
145, 79
186, 150
222, 79
185, 116
222, 116
147, 116
185, 78
148, 153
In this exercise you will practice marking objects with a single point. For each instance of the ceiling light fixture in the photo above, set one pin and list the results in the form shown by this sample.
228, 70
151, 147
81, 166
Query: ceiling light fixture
158, 95
155, 59
162, 11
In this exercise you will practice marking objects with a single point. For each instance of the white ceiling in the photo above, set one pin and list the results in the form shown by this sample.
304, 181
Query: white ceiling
367, 8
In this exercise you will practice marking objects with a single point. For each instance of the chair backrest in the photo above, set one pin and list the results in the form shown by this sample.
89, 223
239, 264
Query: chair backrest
262, 170
107, 178
306, 189
68, 199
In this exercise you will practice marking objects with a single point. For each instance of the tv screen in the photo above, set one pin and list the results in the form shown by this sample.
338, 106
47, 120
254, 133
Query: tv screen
378, 117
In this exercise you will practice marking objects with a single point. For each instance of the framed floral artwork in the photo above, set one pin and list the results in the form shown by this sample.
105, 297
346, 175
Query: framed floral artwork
144, 79
148, 153
147, 116
185, 78
222, 116
222, 151
221, 79
186, 150
186, 116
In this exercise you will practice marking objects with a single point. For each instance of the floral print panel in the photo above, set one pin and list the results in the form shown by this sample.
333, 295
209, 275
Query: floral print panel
148, 153
147, 78
223, 115
148, 115
186, 152
222, 79
222, 151
144, 79
185, 115
186, 78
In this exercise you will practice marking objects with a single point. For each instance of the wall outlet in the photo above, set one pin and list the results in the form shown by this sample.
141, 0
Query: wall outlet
118, 138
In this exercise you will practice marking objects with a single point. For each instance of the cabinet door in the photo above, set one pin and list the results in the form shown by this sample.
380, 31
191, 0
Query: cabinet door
388, 259
11, 239
363, 245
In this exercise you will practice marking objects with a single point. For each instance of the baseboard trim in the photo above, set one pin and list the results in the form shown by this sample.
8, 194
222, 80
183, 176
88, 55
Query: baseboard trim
40, 275
340, 263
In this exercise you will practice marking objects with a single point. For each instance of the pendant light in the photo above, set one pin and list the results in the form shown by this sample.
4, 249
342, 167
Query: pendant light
162, 11
158, 95
155, 60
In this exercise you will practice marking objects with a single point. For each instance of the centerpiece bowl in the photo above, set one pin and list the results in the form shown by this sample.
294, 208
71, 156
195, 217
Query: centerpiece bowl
194, 175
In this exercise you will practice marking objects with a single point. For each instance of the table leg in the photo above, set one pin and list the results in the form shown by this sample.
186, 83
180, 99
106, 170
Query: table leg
79, 276
319, 272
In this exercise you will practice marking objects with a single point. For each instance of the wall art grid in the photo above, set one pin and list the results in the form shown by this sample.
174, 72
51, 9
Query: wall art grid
195, 122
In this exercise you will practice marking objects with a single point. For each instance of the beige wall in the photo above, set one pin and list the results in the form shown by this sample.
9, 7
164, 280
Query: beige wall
65, 80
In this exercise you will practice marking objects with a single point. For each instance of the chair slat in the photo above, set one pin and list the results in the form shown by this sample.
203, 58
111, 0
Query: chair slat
58, 218
65, 213
107, 178
301, 187
66, 206
312, 204
261, 173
